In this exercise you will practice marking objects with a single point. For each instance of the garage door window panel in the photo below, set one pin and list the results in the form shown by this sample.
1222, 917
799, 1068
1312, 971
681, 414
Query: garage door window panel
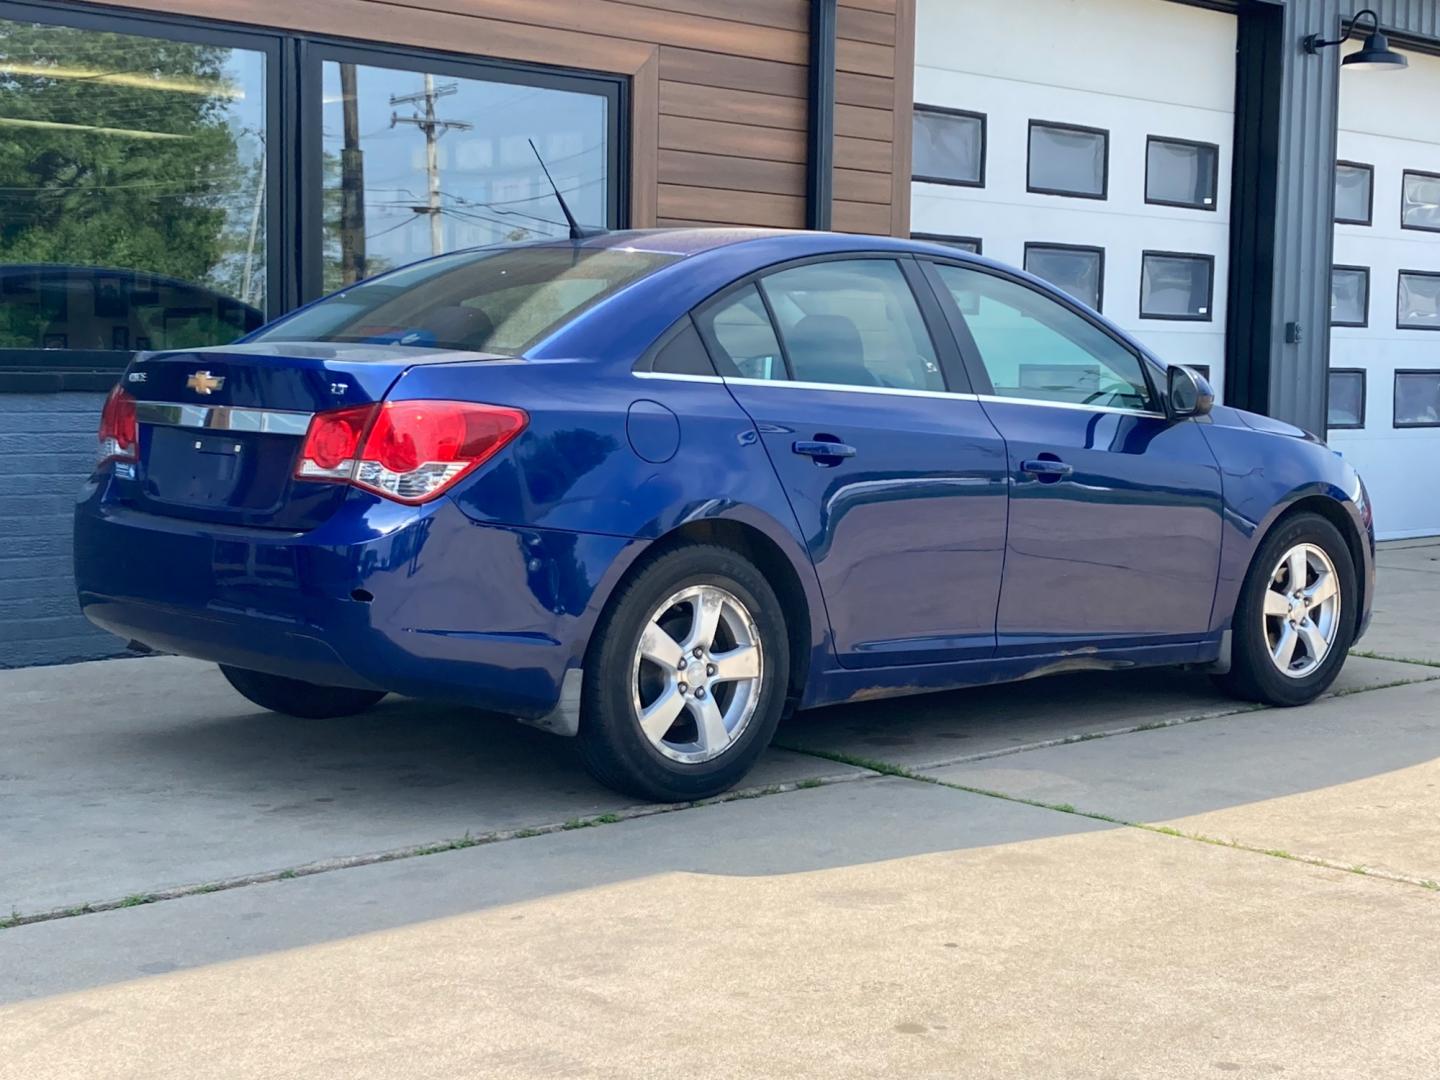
1420, 201
1418, 303
1067, 159
1346, 398
1178, 286
949, 146
1349, 295
973, 244
1181, 173
1034, 348
1417, 399
853, 322
1354, 193
1078, 271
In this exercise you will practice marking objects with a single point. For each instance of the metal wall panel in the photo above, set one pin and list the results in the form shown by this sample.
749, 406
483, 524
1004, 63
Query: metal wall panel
1305, 194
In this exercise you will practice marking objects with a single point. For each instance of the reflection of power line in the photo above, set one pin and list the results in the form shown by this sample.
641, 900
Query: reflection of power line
385, 232
433, 127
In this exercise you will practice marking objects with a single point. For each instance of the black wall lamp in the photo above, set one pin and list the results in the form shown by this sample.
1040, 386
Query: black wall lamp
1375, 54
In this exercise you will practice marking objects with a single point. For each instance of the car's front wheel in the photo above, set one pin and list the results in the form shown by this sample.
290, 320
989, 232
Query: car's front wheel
686, 677
294, 697
1296, 616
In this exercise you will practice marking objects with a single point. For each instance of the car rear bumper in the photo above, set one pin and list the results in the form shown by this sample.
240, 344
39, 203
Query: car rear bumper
417, 600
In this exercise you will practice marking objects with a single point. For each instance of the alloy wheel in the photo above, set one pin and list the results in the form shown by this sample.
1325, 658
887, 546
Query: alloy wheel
1302, 610
697, 674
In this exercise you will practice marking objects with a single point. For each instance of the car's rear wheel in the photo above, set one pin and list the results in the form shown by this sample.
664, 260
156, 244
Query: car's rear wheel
296, 698
1295, 619
686, 677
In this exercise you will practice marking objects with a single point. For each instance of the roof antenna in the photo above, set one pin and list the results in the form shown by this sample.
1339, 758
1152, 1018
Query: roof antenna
576, 232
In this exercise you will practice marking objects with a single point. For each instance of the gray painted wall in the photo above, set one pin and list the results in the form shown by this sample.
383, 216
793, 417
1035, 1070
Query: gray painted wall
1305, 202
47, 444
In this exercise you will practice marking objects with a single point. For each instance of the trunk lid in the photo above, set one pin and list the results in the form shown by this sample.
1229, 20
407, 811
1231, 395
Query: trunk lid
220, 430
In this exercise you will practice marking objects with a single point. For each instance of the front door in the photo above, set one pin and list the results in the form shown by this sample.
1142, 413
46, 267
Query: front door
897, 481
1115, 511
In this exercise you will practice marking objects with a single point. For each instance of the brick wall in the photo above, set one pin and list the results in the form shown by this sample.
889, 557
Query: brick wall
47, 444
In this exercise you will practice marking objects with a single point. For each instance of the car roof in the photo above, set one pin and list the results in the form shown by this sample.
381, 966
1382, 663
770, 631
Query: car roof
694, 241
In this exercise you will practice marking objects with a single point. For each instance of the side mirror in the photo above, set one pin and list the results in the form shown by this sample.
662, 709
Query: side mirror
1188, 392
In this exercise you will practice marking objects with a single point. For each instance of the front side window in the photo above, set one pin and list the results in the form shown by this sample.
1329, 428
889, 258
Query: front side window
1068, 160
1079, 271
1353, 190
949, 146
497, 300
854, 322
1349, 295
1420, 201
134, 191
417, 163
1181, 173
1418, 303
1174, 285
1347, 398
1036, 349
1417, 399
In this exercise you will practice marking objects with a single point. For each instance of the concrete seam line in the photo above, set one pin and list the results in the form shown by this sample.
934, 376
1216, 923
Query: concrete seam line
346, 862
1106, 733
885, 768
1394, 659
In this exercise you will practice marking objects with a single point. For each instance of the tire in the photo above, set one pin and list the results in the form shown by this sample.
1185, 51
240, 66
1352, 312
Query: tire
1255, 674
296, 698
689, 757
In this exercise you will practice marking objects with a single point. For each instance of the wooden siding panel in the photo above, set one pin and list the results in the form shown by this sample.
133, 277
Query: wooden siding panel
736, 106
869, 155
873, 26
731, 207
904, 112
690, 169
867, 91
735, 140
852, 185
887, 6
859, 217
732, 72
786, 14
864, 58
863, 123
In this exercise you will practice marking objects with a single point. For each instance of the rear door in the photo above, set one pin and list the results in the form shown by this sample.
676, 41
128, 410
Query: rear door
1115, 510
895, 475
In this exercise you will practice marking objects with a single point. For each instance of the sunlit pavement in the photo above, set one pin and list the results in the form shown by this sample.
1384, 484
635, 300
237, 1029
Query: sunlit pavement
1201, 890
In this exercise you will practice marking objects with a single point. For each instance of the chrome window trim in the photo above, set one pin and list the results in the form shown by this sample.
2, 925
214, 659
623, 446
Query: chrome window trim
846, 388
677, 376
1073, 405
222, 417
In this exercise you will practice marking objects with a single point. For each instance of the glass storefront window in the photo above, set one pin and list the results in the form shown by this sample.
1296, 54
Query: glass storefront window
133, 190
418, 163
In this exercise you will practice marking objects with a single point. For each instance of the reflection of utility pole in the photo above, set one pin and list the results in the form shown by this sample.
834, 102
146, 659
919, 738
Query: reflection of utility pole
433, 128
352, 182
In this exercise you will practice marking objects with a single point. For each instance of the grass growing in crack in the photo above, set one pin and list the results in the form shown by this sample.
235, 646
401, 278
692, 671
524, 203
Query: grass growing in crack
884, 768
286, 875
1394, 659
805, 785
1348, 690
137, 899
525, 834
13, 920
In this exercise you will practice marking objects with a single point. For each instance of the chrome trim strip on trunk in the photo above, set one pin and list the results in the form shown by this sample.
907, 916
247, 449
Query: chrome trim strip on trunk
222, 417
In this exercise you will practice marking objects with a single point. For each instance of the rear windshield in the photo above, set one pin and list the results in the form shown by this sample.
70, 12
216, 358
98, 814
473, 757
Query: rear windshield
497, 300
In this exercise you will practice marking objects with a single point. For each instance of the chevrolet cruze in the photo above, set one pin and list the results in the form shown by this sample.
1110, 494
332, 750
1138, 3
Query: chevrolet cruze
653, 489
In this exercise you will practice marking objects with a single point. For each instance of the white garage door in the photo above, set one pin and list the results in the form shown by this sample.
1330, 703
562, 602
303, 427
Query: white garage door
1385, 364
1091, 142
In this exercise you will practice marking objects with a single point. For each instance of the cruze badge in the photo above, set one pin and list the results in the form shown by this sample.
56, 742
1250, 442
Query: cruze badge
202, 382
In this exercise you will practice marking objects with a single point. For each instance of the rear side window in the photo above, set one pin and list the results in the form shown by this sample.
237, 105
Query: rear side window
739, 326
1035, 348
683, 353
496, 300
854, 322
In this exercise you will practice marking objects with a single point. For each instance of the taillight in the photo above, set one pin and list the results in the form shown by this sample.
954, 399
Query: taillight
118, 432
410, 451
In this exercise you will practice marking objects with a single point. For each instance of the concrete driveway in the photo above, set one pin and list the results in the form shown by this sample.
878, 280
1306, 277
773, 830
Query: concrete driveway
1086, 876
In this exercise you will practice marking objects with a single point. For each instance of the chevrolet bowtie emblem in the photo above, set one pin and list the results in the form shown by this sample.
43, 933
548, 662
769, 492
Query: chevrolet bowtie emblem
202, 382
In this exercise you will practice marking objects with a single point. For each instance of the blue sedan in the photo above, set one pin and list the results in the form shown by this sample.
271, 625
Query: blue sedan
654, 489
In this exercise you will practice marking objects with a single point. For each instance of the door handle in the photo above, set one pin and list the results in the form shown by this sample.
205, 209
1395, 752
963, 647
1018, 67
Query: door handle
1047, 471
823, 450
